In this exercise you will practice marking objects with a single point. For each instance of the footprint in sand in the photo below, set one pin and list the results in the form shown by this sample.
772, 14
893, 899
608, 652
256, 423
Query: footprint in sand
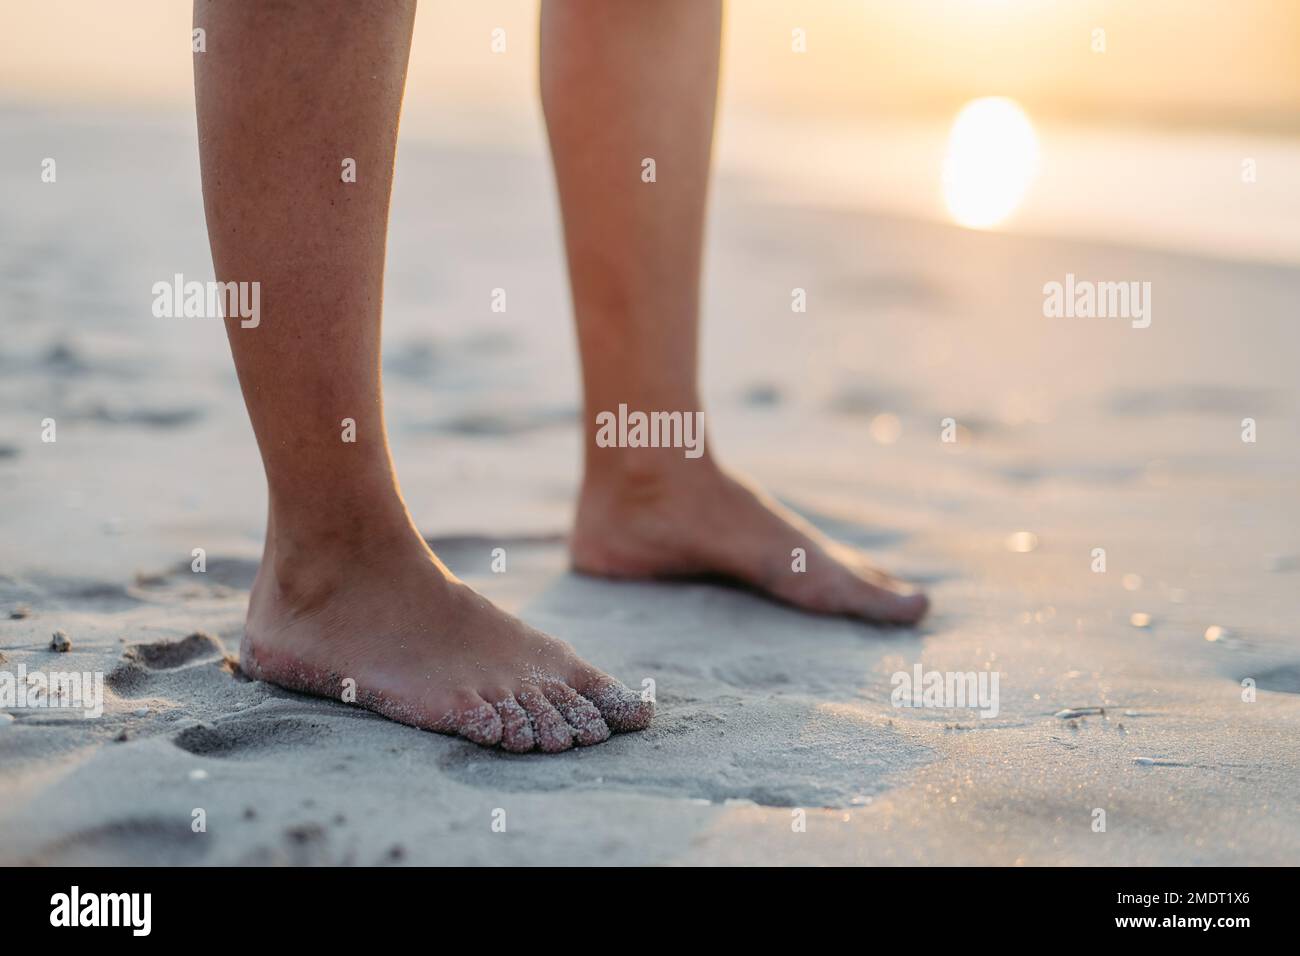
168, 655
1284, 679
251, 736
143, 664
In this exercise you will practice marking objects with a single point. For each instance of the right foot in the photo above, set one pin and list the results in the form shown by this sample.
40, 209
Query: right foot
424, 649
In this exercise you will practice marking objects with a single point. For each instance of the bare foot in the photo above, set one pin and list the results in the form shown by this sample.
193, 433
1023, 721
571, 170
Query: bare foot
422, 648
693, 518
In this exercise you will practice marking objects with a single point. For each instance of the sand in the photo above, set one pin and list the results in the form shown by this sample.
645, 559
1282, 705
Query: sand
1085, 433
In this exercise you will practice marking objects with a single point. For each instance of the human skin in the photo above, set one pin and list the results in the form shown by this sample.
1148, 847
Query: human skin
348, 594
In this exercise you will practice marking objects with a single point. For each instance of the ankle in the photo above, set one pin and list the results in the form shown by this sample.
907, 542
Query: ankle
638, 482
303, 562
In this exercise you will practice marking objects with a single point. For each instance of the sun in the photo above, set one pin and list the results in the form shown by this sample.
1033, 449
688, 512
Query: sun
992, 159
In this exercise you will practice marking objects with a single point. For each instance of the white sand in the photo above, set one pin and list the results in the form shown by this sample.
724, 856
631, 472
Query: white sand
1085, 432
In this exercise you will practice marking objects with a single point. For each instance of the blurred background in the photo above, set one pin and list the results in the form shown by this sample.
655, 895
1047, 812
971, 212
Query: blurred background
1116, 92
921, 168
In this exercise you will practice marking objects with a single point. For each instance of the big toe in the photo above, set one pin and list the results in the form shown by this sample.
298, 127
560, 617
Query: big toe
890, 602
623, 708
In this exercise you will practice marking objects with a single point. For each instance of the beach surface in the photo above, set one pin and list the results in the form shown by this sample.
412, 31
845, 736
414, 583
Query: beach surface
775, 739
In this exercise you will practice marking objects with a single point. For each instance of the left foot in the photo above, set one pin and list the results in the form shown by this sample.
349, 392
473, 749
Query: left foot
696, 519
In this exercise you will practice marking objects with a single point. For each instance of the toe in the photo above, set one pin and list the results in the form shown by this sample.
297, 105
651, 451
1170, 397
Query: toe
891, 602
516, 728
550, 730
579, 713
480, 723
912, 607
622, 707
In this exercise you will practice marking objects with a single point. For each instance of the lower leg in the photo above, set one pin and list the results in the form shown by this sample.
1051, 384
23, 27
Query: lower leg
622, 83
285, 94
271, 151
